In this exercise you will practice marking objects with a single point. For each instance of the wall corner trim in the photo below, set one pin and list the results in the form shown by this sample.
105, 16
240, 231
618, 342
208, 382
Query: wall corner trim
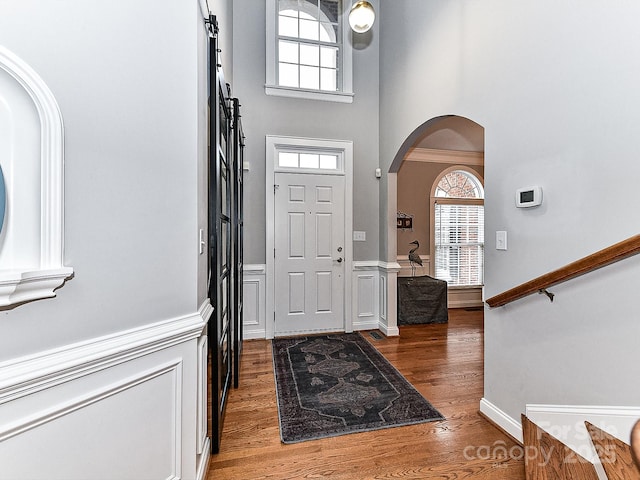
501, 419
390, 267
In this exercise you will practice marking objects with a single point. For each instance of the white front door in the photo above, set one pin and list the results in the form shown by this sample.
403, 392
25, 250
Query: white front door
309, 253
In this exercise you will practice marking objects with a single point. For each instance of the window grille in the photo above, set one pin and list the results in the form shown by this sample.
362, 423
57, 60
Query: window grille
307, 56
459, 229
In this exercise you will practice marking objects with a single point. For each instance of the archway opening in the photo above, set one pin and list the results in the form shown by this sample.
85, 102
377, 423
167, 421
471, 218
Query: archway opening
438, 146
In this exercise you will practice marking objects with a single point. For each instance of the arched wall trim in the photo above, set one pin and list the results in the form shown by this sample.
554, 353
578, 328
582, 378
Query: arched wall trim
29, 283
416, 135
411, 140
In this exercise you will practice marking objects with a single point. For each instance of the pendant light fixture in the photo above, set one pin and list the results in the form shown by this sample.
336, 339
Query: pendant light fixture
361, 16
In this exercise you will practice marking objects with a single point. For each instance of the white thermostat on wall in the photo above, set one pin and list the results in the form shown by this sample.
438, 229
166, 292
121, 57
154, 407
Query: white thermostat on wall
528, 197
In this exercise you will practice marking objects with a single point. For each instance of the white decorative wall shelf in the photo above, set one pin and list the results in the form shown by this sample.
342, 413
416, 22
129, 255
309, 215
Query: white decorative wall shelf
32, 159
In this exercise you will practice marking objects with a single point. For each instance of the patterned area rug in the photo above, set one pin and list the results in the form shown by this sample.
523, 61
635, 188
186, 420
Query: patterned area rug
329, 385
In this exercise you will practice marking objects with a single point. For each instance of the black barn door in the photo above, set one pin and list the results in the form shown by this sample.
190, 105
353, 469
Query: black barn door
237, 217
220, 242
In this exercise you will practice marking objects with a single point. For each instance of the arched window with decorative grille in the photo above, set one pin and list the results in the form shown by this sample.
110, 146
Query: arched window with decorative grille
458, 212
307, 52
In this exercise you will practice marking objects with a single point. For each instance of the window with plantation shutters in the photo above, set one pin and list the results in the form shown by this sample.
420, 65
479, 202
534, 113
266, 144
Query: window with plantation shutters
459, 229
459, 243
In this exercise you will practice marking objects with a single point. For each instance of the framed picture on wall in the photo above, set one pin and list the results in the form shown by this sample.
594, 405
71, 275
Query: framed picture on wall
405, 222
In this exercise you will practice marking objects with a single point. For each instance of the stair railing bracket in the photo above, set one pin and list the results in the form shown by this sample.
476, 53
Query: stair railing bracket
547, 293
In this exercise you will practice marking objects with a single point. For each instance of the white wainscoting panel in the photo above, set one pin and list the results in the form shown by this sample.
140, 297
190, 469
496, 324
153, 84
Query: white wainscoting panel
366, 295
370, 305
382, 292
201, 412
203, 442
137, 422
123, 405
254, 302
365, 311
389, 274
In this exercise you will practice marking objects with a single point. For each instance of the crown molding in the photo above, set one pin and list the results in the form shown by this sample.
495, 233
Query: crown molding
452, 157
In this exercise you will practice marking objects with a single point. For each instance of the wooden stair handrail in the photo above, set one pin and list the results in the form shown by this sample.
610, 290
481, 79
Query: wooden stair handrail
601, 258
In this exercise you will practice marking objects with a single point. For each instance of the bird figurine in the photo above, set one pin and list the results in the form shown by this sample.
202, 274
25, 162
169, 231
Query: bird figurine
414, 258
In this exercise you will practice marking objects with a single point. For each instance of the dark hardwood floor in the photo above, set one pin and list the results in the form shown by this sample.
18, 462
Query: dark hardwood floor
444, 362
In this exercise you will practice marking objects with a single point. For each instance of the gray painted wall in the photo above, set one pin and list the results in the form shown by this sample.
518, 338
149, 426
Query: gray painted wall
223, 10
125, 81
554, 84
269, 115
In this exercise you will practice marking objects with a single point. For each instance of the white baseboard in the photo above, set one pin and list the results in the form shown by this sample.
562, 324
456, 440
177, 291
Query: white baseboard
203, 461
566, 423
501, 419
389, 331
561, 420
253, 334
464, 297
372, 324
615, 420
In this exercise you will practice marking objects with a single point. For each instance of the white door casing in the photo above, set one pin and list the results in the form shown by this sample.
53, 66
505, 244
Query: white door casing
344, 149
309, 253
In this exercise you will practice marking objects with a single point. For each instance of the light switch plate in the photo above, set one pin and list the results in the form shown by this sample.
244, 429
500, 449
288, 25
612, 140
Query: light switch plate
359, 236
501, 240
